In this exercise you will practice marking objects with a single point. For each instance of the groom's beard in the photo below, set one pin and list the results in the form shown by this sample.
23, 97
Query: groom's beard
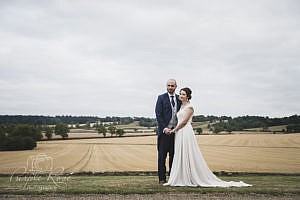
171, 90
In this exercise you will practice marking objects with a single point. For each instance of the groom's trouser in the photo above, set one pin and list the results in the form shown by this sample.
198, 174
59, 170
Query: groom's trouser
165, 145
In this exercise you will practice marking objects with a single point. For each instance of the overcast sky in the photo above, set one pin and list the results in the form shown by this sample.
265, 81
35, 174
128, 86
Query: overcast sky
113, 58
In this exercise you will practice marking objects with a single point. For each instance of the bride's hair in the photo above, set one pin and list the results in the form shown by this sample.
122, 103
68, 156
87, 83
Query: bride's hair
188, 92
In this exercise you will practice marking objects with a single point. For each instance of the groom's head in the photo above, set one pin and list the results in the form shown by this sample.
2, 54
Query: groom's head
171, 86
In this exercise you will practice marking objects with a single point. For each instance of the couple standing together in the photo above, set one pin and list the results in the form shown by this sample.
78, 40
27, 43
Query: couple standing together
176, 137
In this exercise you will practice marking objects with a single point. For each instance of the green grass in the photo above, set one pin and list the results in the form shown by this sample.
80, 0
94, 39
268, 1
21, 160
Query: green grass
271, 185
202, 125
271, 128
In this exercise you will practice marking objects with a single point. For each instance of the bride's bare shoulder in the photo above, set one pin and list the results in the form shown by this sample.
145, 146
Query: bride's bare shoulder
190, 106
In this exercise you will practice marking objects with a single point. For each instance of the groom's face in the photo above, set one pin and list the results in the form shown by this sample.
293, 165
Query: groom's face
171, 86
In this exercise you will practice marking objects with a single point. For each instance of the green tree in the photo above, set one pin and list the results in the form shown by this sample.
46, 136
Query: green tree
17, 143
217, 129
19, 137
102, 129
26, 130
199, 130
48, 132
293, 128
120, 132
29, 143
112, 129
62, 130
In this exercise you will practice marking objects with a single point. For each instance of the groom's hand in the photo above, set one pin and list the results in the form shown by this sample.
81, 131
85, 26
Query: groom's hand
167, 131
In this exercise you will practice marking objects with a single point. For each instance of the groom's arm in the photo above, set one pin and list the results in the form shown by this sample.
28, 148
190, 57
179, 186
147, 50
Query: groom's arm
159, 112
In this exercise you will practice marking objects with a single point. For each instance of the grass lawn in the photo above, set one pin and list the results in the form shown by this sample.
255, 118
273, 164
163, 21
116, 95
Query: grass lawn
267, 184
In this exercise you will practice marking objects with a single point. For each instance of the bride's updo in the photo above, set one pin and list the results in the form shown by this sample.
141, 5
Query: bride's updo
188, 92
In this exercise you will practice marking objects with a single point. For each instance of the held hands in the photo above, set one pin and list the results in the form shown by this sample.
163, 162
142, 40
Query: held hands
168, 131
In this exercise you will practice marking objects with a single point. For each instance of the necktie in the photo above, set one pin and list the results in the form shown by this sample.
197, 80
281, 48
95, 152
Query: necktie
172, 101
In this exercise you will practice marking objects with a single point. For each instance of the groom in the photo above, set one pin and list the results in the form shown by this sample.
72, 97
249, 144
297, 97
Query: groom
166, 108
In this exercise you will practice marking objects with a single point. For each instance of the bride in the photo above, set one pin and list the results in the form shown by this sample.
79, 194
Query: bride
189, 167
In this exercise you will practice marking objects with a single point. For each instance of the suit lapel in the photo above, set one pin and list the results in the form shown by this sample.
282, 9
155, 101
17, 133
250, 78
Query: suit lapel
178, 102
168, 99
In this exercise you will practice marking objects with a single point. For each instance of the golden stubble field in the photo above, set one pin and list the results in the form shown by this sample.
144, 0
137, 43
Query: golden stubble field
278, 153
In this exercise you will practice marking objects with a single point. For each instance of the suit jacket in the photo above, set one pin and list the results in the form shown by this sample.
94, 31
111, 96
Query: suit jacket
163, 111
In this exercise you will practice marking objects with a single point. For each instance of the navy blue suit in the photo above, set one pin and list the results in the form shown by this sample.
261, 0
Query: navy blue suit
165, 143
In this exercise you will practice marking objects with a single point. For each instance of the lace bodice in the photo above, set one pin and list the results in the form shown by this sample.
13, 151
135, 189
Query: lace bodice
183, 112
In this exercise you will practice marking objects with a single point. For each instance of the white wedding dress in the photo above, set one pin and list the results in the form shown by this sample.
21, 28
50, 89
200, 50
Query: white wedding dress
189, 167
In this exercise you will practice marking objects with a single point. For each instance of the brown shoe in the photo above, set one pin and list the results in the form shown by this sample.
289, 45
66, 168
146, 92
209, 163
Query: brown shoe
162, 182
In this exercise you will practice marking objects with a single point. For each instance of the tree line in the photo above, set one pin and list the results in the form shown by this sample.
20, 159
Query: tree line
247, 122
66, 119
237, 123
18, 132
113, 130
25, 136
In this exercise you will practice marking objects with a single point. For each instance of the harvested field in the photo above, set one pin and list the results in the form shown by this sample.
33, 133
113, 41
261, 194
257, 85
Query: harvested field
270, 153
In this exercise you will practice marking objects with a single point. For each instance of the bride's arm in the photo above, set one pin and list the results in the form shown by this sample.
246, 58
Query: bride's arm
185, 120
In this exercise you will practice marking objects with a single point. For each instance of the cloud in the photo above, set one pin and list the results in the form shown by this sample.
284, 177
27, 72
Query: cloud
114, 57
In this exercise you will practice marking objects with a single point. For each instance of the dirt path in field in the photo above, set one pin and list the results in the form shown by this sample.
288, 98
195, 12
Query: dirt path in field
158, 196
